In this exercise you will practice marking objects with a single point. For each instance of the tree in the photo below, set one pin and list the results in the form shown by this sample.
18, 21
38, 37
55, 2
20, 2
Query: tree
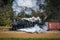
53, 9
5, 12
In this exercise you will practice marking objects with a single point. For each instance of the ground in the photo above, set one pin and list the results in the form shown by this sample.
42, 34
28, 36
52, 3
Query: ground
18, 34
5, 33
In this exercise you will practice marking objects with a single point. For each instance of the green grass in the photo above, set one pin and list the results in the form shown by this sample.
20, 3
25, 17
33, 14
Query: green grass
29, 39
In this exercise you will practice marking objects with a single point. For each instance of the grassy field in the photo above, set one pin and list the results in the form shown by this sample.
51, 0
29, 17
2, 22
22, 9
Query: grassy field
29, 39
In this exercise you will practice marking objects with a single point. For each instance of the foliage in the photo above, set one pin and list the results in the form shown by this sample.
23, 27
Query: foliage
53, 10
2, 23
6, 15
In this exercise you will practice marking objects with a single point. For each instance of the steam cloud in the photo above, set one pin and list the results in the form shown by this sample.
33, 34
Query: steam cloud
36, 28
26, 6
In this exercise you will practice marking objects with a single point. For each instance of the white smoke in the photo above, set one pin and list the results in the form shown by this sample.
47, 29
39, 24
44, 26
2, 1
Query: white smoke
36, 28
26, 6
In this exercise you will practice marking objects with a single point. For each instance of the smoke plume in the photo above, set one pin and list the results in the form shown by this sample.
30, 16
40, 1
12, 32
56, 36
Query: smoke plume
27, 6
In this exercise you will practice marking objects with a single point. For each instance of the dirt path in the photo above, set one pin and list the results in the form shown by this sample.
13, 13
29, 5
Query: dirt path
17, 34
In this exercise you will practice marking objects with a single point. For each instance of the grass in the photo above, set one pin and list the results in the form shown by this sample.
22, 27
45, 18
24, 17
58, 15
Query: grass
29, 39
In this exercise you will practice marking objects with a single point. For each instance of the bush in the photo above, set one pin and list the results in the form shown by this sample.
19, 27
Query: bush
2, 23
